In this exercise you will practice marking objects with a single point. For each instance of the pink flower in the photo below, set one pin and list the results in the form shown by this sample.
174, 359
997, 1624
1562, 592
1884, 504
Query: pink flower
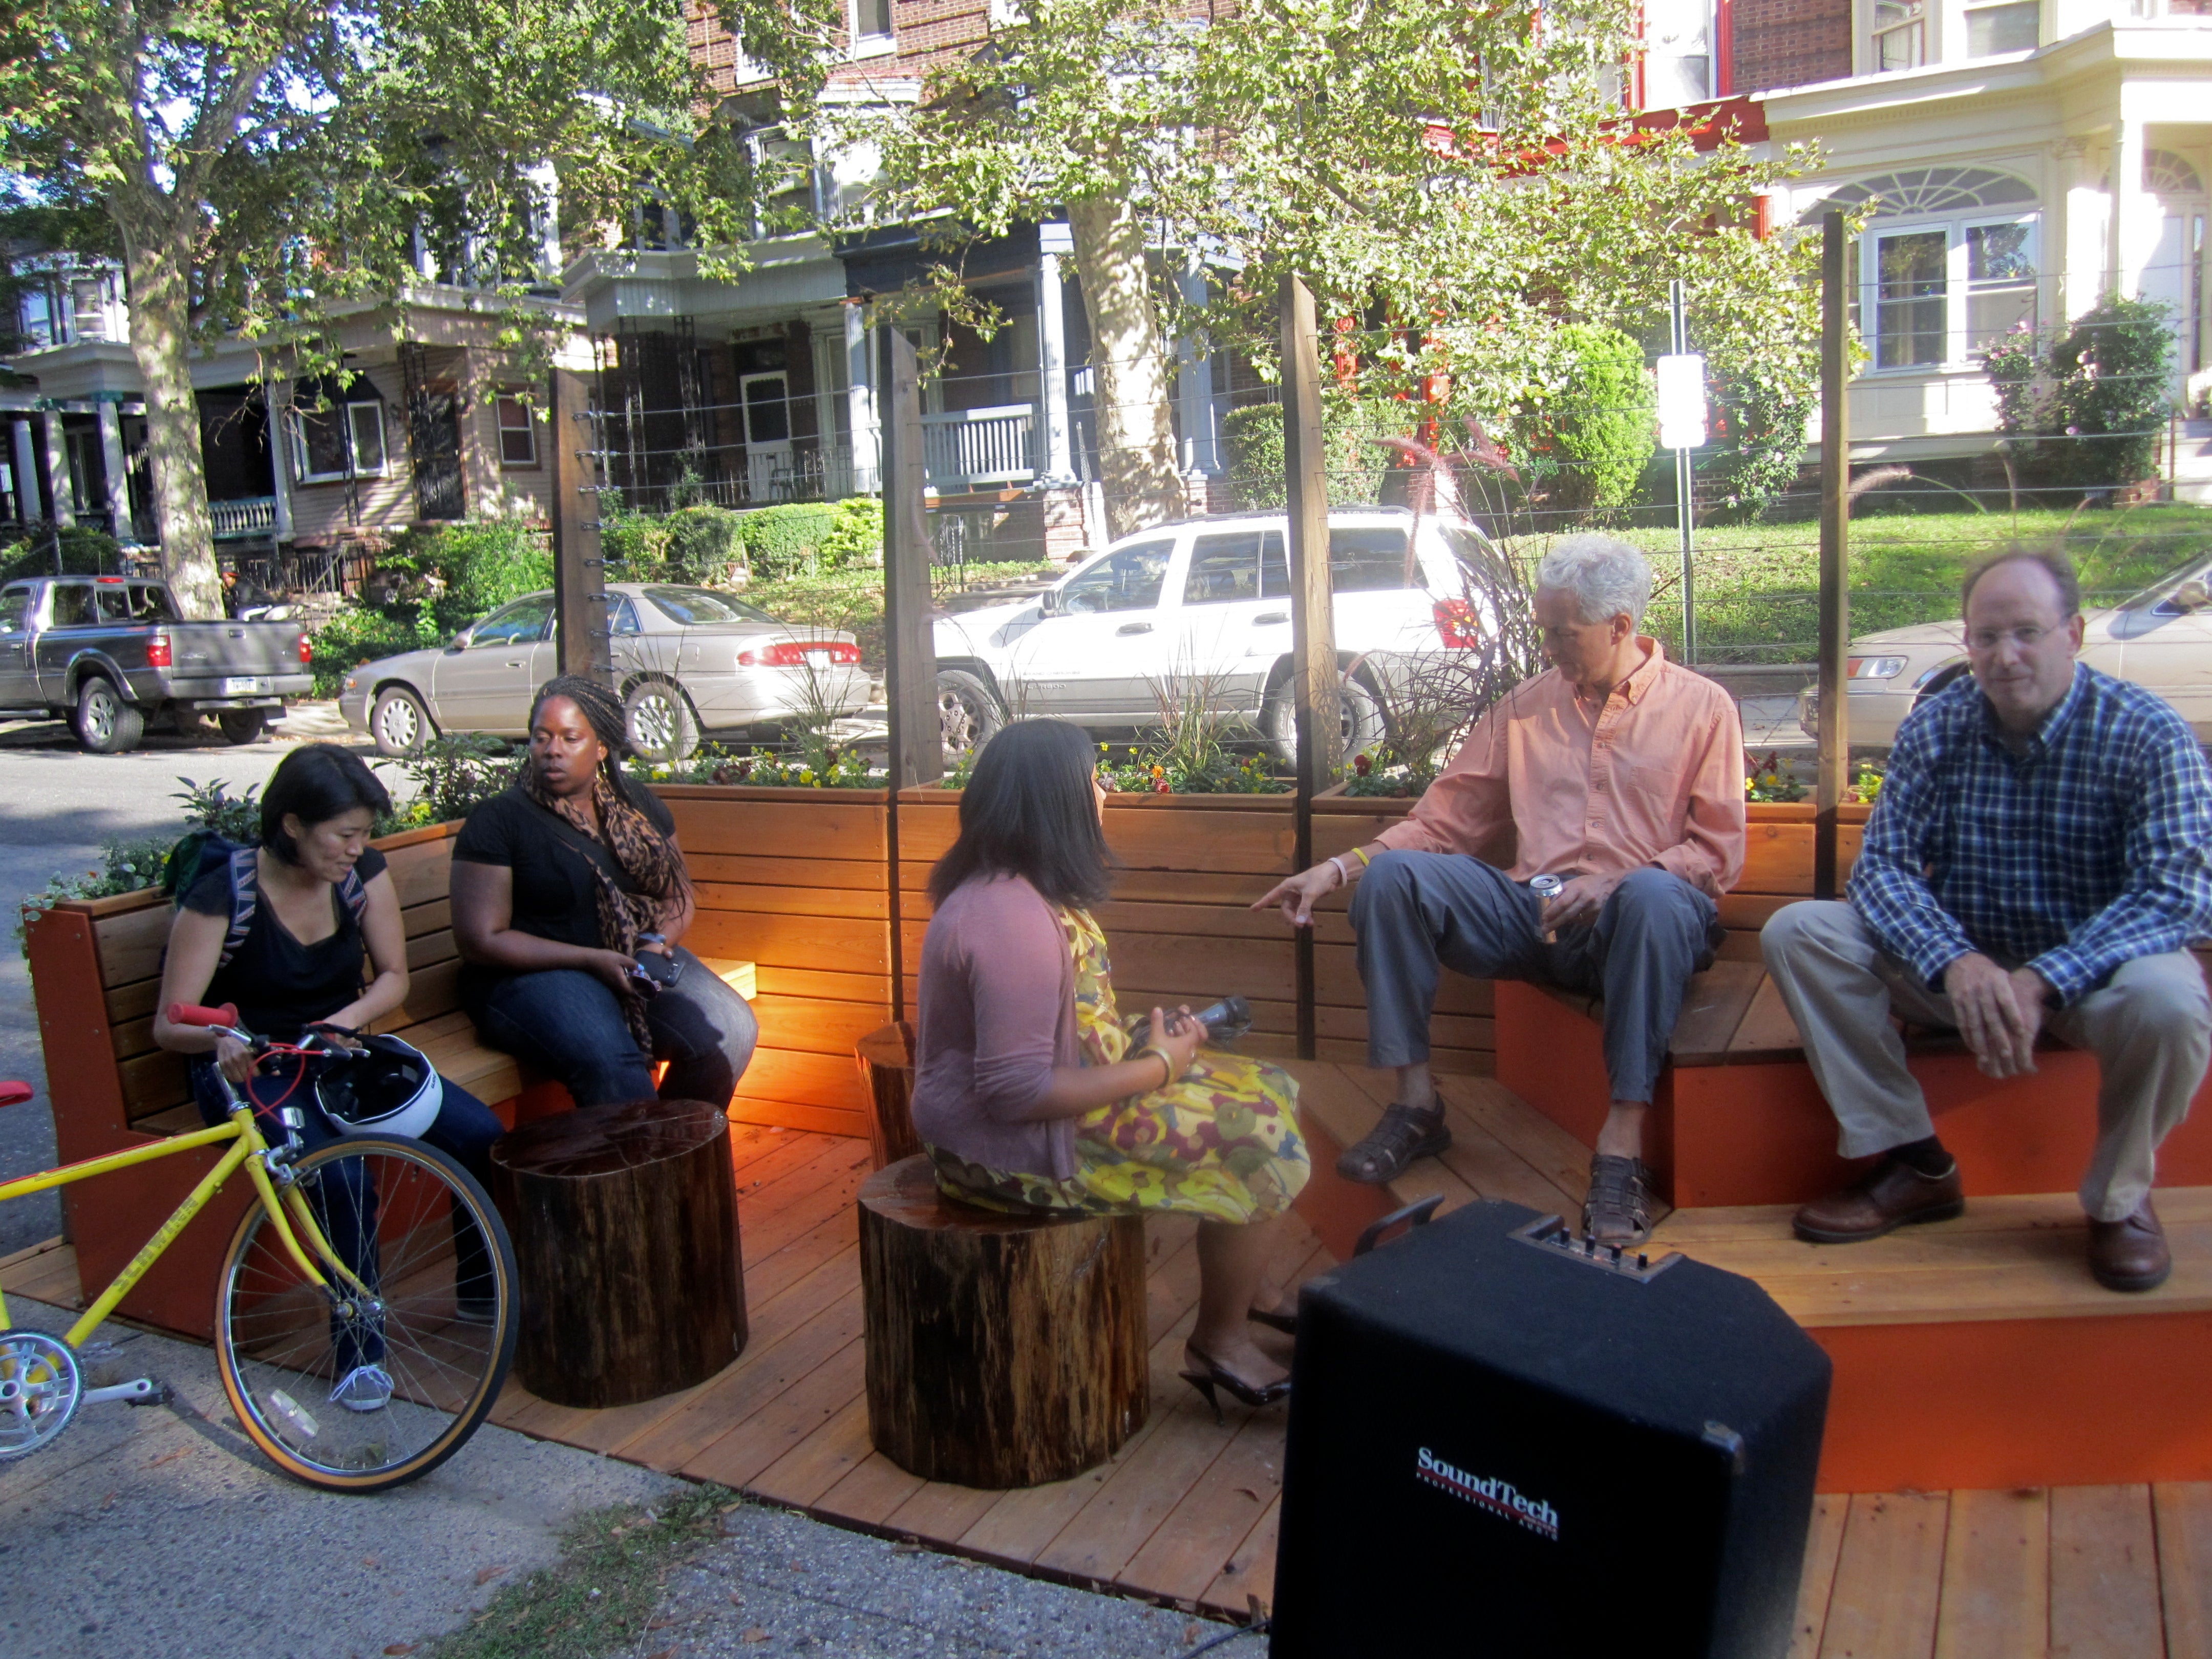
1362, 765
1162, 787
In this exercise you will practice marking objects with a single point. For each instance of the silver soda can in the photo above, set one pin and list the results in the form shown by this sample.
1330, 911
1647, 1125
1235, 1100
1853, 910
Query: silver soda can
1547, 888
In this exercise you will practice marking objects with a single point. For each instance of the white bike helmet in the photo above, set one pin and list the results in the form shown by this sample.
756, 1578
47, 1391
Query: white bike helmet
383, 1087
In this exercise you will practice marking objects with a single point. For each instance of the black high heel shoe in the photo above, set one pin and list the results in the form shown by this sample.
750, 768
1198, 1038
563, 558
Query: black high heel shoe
1275, 1319
1215, 1376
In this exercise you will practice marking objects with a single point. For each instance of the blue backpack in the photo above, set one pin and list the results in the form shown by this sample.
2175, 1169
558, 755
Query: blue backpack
203, 850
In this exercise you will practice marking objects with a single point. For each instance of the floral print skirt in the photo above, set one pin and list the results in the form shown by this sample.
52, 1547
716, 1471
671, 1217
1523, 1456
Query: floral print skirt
1221, 1142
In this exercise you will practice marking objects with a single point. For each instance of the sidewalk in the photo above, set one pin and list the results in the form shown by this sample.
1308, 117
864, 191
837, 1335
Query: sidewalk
158, 1533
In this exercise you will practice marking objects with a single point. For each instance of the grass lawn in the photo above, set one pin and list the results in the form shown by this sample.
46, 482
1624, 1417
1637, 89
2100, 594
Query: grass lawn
1757, 585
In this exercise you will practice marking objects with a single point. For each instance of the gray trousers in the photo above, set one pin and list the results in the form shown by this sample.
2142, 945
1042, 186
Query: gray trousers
1417, 913
2150, 1028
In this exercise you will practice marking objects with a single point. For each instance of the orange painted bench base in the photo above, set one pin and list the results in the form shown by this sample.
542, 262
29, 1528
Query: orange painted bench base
1760, 1133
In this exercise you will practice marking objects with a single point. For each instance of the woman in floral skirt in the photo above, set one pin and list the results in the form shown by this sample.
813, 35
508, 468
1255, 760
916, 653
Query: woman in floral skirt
1029, 1093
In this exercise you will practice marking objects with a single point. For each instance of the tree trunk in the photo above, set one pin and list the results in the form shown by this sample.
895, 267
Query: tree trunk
1136, 424
159, 259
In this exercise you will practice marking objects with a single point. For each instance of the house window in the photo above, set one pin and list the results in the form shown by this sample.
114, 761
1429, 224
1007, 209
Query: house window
2010, 27
1908, 299
518, 438
341, 441
2000, 282
1946, 294
872, 23
1900, 34
1678, 54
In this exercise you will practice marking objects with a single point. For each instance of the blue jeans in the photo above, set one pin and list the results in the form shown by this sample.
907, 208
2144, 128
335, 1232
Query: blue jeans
566, 1024
345, 1204
1416, 913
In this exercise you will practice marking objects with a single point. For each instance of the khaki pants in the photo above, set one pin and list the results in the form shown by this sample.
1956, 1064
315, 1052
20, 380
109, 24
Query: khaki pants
2150, 1028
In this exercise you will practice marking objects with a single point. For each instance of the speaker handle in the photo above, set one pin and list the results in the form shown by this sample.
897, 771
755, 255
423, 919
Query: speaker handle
1413, 1215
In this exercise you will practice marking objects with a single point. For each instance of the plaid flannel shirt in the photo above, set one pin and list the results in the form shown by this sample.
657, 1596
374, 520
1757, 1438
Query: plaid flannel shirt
2088, 849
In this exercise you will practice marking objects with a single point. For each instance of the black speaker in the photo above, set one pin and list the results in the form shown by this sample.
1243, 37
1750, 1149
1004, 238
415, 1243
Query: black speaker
1502, 1442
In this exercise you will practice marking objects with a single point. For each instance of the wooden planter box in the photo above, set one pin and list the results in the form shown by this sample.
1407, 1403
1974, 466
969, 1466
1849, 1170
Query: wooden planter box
796, 881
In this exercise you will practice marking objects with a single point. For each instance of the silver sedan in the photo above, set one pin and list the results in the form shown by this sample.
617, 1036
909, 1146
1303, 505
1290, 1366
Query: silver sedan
689, 661
2161, 639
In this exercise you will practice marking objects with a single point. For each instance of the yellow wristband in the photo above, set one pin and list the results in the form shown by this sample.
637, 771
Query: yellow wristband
1360, 853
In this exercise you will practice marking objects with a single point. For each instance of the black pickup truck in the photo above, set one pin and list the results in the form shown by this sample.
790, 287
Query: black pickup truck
112, 653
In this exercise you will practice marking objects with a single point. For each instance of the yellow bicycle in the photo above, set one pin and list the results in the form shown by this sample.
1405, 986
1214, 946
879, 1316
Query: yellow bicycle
366, 1315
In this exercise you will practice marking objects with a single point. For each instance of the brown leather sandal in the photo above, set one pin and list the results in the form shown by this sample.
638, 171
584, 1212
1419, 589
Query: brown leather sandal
1617, 1210
1405, 1133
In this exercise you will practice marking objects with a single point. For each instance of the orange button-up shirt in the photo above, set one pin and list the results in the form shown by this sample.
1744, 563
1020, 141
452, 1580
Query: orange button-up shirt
1549, 783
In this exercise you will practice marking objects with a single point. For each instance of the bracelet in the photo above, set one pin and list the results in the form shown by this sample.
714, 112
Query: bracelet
1360, 853
1167, 1060
1343, 875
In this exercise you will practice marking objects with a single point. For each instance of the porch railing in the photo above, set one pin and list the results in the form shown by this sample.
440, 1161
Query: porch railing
972, 447
256, 515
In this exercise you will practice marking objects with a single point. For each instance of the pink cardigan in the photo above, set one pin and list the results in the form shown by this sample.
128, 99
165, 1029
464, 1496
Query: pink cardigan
996, 1015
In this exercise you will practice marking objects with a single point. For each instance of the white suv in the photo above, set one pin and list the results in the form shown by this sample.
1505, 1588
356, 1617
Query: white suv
1208, 603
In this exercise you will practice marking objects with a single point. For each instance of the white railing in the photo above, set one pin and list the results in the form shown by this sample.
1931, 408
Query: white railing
981, 445
254, 516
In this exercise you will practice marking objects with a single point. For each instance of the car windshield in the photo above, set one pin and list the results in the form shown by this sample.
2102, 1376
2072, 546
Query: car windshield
697, 607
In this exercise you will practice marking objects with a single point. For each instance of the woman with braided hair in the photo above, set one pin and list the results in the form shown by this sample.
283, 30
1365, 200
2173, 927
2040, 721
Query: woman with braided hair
561, 886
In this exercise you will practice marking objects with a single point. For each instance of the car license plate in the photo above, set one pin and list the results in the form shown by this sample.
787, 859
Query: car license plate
240, 686
821, 658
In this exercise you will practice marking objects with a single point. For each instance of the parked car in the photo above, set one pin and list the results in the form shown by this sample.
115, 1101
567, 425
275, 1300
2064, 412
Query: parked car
2161, 639
112, 653
1207, 603
687, 660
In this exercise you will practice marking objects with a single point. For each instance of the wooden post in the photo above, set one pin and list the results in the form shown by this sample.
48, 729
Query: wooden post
917, 737
1835, 547
1315, 705
580, 575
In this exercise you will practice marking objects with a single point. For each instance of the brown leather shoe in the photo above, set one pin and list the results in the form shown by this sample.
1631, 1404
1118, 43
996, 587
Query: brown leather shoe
1893, 1194
2129, 1255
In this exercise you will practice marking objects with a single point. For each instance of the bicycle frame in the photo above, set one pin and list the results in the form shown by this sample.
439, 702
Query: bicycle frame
248, 1148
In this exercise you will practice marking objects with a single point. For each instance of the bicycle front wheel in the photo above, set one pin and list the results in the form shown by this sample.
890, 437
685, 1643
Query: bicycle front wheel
355, 1393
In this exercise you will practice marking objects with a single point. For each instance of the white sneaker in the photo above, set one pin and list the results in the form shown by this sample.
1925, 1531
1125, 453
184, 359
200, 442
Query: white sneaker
363, 1389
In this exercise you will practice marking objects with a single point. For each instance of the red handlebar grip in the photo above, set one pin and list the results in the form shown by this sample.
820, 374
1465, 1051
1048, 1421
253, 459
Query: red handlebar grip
14, 1094
186, 1013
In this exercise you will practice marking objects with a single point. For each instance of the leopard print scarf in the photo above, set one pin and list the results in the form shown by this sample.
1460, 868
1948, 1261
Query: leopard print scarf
648, 857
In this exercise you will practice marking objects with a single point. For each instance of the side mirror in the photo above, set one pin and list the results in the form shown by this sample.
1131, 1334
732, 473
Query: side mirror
1049, 602
2192, 596
459, 641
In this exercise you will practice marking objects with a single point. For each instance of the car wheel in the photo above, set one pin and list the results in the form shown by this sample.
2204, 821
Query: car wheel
969, 714
657, 718
107, 722
399, 723
1359, 720
243, 725
1942, 683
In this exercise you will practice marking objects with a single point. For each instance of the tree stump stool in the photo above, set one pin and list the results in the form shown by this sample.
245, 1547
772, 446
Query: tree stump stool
625, 1227
886, 1058
1002, 1351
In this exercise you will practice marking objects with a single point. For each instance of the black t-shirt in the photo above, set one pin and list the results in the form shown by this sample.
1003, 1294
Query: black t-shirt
556, 893
280, 985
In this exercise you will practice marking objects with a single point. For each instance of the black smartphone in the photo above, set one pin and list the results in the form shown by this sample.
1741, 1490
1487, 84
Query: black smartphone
660, 971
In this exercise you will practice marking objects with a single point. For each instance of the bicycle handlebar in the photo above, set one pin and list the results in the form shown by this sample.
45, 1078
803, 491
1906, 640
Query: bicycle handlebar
14, 1094
186, 1013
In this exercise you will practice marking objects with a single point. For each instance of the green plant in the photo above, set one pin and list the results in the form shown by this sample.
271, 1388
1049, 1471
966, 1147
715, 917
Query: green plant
1773, 779
1585, 421
831, 768
788, 540
84, 552
356, 634
2084, 407
856, 535
704, 543
1354, 462
130, 865
451, 775
636, 545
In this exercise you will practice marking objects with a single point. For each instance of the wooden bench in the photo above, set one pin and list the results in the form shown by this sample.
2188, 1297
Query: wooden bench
1738, 1119
96, 966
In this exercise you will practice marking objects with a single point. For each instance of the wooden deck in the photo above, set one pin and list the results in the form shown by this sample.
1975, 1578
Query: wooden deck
1185, 1513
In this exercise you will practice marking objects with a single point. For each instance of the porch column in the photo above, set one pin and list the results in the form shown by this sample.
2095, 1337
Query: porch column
58, 470
119, 477
2081, 229
1056, 463
2133, 235
860, 403
1194, 381
26, 473
280, 460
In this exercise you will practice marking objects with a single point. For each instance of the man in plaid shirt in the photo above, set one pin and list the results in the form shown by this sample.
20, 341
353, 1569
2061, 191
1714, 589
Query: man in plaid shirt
2041, 855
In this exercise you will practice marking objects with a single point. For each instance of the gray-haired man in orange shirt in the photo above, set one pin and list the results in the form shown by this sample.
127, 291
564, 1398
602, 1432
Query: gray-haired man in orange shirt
1615, 770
